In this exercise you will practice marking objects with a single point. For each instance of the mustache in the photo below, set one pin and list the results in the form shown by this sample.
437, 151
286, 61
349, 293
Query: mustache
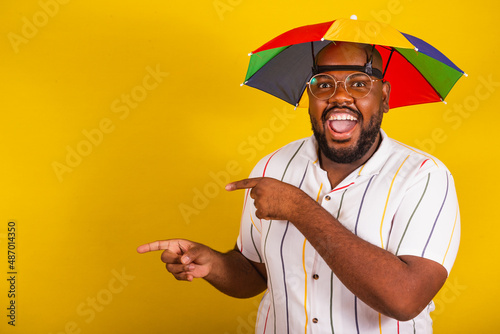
327, 111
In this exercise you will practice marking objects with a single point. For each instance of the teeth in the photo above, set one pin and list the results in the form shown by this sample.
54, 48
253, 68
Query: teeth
342, 117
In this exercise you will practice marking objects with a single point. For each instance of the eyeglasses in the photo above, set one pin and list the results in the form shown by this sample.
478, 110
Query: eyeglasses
323, 86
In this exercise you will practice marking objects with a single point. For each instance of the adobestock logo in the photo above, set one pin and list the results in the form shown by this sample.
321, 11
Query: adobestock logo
251, 148
224, 6
457, 113
31, 27
121, 107
89, 309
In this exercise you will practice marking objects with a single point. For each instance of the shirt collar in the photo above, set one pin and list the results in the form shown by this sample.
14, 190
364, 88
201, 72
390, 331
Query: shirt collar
372, 166
377, 160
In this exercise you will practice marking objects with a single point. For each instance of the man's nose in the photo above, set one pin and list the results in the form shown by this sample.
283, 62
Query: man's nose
341, 94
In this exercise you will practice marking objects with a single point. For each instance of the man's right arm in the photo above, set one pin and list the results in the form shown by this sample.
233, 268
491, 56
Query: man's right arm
230, 272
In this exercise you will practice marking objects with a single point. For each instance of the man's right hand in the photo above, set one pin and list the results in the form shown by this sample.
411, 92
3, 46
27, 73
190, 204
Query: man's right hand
184, 259
230, 272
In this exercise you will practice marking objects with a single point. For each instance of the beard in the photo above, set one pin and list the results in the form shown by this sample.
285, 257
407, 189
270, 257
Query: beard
355, 152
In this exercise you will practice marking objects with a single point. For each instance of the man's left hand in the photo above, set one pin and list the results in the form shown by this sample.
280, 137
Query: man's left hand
273, 199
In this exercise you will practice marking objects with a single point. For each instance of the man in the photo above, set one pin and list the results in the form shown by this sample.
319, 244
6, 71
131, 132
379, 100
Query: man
348, 230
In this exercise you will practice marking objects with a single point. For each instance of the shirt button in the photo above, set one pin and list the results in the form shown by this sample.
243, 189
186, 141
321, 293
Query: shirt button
315, 320
327, 198
315, 276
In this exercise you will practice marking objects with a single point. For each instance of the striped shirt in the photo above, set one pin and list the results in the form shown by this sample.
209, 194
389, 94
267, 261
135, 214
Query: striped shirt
402, 200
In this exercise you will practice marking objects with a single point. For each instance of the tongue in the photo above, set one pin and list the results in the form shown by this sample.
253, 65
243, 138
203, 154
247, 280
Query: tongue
342, 126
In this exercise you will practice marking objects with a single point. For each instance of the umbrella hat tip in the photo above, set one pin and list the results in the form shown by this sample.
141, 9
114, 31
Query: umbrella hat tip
354, 17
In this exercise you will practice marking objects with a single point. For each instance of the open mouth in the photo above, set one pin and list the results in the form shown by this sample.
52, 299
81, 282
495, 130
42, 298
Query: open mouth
342, 124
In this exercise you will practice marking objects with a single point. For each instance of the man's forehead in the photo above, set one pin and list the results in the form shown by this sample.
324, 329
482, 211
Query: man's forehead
345, 53
344, 56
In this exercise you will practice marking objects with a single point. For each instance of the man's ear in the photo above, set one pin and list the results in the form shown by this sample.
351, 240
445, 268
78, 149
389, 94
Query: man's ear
386, 94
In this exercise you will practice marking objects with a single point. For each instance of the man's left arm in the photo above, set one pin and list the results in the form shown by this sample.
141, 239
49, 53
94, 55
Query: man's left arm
397, 286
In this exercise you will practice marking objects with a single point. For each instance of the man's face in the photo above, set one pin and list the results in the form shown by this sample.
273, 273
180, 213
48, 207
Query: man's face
348, 129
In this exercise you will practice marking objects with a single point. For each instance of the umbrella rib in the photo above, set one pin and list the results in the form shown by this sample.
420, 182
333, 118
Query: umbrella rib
312, 51
388, 61
313, 66
385, 47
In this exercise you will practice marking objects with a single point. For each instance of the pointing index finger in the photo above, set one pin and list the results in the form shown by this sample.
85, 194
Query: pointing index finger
243, 184
153, 246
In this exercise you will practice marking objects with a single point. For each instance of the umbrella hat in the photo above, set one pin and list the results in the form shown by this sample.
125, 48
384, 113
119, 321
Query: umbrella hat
418, 72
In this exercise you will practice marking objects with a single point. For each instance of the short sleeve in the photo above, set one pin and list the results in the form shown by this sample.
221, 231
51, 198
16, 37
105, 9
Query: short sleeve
427, 222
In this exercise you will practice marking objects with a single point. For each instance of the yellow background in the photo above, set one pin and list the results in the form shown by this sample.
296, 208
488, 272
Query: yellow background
78, 232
